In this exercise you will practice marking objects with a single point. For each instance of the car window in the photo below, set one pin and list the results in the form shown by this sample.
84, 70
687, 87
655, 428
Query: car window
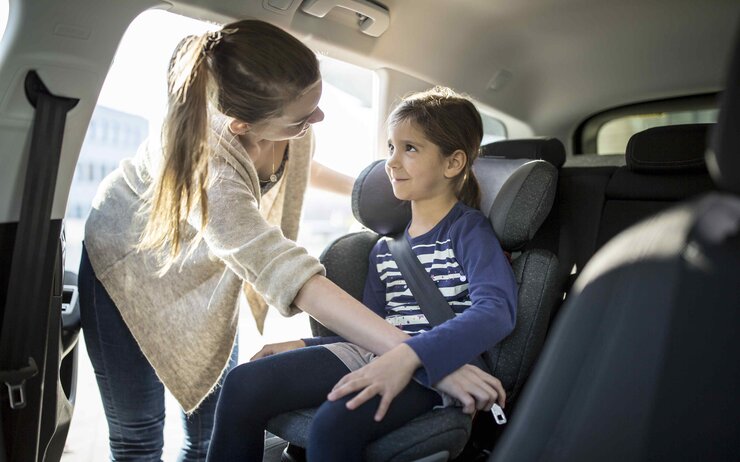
493, 129
612, 136
344, 142
4, 10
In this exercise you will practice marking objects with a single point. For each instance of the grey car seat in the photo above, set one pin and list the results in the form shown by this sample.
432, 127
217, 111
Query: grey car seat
644, 360
517, 195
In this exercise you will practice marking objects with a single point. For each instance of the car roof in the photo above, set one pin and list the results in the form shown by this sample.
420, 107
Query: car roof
556, 61
553, 62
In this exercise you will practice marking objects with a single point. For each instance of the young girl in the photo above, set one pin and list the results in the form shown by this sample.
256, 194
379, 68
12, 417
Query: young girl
434, 137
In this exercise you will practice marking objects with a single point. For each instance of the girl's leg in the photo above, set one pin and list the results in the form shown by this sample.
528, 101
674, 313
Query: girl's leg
133, 396
255, 392
199, 424
338, 434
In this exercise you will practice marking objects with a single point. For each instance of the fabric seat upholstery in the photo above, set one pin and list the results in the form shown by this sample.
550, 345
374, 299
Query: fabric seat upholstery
519, 199
665, 165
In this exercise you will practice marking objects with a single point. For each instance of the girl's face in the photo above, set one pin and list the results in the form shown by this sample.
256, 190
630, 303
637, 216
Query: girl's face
297, 117
416, 167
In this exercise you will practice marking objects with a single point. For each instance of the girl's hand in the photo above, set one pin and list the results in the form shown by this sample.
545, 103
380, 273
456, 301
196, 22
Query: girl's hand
275, 348
386, 375
474, 388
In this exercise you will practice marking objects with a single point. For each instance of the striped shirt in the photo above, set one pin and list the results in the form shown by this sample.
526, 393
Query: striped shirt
465, 260
438, 258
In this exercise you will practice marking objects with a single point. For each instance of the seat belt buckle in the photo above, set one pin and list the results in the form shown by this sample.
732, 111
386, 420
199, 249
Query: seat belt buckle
17, 394
15, 380
498, 414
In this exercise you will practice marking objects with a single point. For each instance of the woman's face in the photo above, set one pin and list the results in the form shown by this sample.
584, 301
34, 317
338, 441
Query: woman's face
297, 116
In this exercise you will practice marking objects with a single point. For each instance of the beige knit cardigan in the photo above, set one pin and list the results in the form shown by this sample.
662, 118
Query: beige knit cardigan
185, 321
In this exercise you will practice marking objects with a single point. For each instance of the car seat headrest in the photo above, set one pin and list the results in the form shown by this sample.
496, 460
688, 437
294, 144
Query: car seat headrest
549, 149
668, 149
516, 196
723, 157
374, 204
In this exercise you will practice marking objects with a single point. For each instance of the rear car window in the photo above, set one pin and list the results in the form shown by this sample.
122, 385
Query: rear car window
613, 135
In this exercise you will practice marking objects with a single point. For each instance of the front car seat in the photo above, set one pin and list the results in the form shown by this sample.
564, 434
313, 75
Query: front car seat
644, 360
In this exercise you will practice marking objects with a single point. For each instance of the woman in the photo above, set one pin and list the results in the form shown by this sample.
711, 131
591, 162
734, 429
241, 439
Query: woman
209, 210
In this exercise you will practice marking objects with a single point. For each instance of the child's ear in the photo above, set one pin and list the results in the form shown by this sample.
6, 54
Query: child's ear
237, 127
455, 163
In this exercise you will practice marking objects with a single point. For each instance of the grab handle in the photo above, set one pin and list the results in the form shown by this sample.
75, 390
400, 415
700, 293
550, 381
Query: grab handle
374, 19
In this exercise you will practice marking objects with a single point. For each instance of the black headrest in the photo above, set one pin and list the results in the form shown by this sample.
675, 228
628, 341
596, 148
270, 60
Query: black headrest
723, 158
549, 149
374, 204
516, 196
668, 149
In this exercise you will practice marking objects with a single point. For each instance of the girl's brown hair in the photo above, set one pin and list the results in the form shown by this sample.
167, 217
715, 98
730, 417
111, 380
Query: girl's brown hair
450, 121
248, 70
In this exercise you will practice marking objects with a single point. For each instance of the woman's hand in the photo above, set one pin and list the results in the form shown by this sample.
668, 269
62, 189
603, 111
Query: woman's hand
275, 348
474, 388
386, 375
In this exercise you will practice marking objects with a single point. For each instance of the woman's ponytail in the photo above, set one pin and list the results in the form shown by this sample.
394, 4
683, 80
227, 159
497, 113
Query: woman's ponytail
181, 184
249, 70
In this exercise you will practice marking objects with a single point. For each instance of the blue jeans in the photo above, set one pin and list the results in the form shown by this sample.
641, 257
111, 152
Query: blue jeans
133, 396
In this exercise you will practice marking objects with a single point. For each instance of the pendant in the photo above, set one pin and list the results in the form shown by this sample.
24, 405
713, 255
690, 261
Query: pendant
273, 178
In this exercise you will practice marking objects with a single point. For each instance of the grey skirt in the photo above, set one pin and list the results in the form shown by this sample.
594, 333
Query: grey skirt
355, 357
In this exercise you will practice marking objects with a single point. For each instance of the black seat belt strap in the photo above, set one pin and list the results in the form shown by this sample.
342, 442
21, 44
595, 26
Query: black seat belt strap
431, 301
29, 291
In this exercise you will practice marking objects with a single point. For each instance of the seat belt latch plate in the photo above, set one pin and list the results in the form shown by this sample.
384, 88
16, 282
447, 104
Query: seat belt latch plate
498, 414
16, 382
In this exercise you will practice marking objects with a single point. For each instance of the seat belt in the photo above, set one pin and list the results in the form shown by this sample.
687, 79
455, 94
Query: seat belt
431, 301
26, 310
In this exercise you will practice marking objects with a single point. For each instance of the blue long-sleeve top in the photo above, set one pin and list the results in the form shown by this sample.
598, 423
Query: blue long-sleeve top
465, 260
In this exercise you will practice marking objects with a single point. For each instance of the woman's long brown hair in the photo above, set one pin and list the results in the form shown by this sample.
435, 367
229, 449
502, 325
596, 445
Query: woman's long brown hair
248, 70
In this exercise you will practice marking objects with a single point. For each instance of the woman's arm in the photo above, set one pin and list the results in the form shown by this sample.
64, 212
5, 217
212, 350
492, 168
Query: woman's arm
340, 312
323, 177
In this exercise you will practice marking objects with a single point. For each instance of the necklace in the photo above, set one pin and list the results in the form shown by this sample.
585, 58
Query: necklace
273, 177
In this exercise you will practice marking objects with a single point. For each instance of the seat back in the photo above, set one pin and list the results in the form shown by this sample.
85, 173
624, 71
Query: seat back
596, 200
664, 165
549, 149
644, 362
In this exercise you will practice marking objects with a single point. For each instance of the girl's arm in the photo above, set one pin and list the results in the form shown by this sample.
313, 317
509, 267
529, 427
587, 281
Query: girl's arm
492, 313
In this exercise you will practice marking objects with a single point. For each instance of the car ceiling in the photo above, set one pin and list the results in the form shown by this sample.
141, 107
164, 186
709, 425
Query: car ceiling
566, 59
